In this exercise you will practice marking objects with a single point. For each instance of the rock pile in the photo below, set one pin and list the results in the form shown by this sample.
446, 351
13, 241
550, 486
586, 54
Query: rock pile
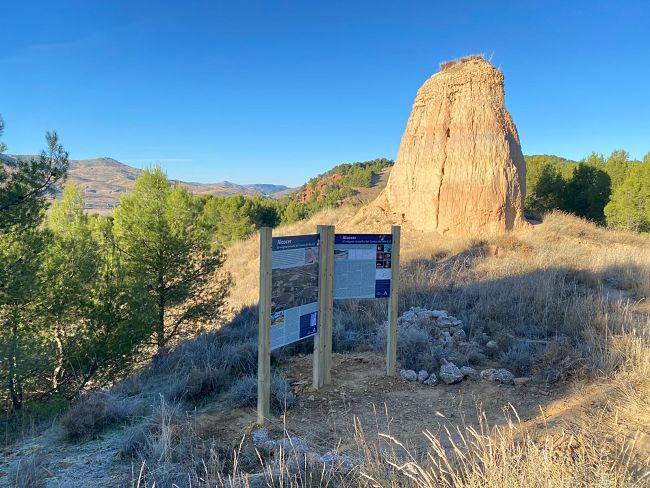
449, 336
446, 332
460, 168
291, 456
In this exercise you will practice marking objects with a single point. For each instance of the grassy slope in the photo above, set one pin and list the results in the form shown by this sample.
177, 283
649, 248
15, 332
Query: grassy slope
563, 278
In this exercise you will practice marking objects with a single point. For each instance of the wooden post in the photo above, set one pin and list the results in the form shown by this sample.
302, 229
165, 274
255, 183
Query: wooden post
323, 338
264, 333
393, 304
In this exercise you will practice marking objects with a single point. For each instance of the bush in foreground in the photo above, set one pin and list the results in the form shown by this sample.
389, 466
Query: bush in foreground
93, 412
244, 393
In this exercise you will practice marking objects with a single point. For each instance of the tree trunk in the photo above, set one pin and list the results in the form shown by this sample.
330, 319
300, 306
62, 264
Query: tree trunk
160, 326
15, 390
58, 370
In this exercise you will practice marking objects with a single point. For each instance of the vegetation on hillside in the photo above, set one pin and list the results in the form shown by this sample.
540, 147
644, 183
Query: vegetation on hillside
613, 191
87, 301
231, 219
331, 188
83, 298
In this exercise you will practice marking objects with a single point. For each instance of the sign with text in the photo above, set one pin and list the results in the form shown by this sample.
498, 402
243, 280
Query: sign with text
294, 288
362, 265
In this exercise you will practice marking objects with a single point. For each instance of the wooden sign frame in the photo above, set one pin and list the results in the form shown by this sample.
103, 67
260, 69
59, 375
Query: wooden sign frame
322, 357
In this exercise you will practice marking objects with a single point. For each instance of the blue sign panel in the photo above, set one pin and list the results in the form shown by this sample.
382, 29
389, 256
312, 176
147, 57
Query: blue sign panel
362, 265
294, 288
363, 239
295, 242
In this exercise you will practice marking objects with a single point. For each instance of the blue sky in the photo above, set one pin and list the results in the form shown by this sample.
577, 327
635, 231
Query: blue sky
277, 92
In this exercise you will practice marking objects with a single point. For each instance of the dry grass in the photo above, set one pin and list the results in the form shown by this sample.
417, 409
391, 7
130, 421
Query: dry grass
511, 454
508, 455
579, 290
30, 472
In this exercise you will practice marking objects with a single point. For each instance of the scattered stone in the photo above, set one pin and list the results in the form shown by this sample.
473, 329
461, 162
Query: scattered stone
260, 437
436, 314
522, 380
499, 375
409, 316
469, 372
333, 460
432, 380
408, 374
444, 321
460, 335
491, 347
449, 373
422, 376
292, 444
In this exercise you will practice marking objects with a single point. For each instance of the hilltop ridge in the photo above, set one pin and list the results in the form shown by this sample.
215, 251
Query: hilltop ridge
104, 179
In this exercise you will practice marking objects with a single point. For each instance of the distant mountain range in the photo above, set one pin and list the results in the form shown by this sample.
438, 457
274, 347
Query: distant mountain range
104, 180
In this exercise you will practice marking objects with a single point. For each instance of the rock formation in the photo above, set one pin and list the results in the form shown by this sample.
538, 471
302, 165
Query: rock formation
460, 169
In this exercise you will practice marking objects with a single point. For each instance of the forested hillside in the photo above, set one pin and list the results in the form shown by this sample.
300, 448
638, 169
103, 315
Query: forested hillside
613, 191
86, 298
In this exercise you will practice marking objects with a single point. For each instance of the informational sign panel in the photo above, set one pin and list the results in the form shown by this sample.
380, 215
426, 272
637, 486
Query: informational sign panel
294, 288
362, 265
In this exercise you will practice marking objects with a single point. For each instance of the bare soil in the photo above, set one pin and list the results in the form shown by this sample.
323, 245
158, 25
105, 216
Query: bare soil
360, 390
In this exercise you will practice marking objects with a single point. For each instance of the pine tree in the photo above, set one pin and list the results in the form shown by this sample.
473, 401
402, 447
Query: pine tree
587, 193
167, 257
25, 186
70, 271
629, 207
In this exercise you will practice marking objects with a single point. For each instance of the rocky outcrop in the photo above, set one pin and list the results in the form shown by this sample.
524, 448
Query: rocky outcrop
460, 169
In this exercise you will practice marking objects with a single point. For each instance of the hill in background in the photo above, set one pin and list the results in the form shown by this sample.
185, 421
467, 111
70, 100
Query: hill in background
105, 179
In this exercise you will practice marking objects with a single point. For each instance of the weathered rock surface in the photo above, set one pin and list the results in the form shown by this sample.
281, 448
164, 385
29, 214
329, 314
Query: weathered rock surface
469, 372
422, 376
449, 373
408, 374
460, 168
522, 380
432, 380
499, 375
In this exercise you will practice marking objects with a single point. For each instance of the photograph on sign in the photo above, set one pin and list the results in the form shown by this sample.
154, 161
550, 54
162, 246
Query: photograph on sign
294, 288
362, 265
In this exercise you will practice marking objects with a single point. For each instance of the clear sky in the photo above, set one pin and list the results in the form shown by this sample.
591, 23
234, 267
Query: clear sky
277, 92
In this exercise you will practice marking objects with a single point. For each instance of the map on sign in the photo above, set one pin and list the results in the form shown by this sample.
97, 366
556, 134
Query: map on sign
362, 265
294, 289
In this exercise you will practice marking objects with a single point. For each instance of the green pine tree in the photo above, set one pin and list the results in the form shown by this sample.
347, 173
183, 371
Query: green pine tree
167, 257
629, 207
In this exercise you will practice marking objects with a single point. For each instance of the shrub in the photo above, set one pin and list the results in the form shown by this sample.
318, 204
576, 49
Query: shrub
556, 362
30, 472
519, 358
345, 339
199, 383
415, 348
134, 441
244, 393
93, 412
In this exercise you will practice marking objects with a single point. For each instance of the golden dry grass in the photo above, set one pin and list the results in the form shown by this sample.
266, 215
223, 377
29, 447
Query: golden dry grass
566, 274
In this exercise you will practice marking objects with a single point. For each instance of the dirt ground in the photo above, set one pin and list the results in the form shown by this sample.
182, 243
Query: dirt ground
360, 390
